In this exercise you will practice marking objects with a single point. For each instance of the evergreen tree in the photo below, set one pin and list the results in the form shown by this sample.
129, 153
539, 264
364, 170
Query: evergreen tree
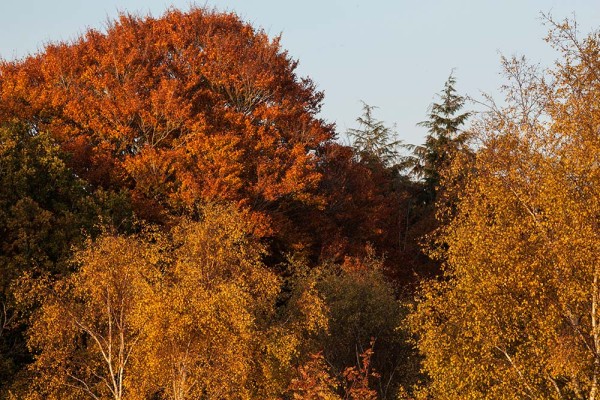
373, 140
444, 139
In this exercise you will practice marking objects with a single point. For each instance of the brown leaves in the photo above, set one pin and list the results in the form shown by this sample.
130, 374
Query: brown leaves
315, 382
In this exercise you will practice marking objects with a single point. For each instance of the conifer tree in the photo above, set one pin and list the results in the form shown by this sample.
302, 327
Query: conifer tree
373, 140
445, 137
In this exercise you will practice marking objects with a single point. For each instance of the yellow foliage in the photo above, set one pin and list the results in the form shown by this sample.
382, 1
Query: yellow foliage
516, 314
203, 337
186, 314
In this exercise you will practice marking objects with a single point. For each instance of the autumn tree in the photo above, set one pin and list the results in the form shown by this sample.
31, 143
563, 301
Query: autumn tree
516, 313
365, 195
363, 204
188, 313
206, 331
199, 106
44, 211
184, 108
90, 324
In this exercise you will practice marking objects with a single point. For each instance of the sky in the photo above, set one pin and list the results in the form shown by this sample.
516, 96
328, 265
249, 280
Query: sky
393, 54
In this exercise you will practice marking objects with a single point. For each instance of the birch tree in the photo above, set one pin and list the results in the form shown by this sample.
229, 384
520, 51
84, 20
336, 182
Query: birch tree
89, 326
516, 314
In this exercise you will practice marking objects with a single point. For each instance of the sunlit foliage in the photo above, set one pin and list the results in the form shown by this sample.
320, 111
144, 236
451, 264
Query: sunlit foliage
186, 107
516, 314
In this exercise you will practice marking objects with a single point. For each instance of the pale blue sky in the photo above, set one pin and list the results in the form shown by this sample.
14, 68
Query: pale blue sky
392, 54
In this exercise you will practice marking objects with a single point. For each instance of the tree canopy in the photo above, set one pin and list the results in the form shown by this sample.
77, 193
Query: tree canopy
515, 315
184, 108
445, 139
178, 222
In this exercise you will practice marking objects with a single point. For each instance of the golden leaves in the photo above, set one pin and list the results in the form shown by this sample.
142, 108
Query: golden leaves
514, 316
181, 313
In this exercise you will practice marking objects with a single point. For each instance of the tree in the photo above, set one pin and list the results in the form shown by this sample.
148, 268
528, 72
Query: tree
44, 211
206, 332
363, 333
365, 195
178, 110
90, 324
445, 147
363, 205
444, 139
182, 314
516, 313
373, 141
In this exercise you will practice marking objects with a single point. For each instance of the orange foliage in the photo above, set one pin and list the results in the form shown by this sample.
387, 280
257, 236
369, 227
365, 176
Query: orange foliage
314, 381
362, 205
357, 378
187, 107
200, 107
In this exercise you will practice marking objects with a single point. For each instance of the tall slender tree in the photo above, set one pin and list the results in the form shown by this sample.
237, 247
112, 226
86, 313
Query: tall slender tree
44, 208
445, 137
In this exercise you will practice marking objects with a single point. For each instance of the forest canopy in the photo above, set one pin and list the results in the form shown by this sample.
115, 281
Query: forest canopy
178, 222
